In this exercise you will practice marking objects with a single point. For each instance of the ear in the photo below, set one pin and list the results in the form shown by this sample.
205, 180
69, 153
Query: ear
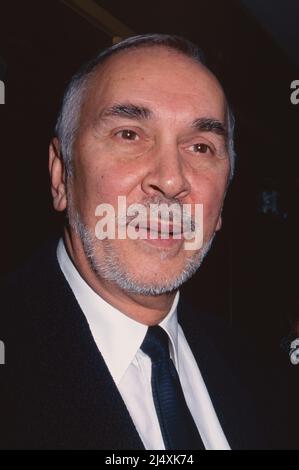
57, 176
219, 223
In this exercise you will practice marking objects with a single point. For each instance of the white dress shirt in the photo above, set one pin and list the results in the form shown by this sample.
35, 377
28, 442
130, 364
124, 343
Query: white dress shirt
119, 338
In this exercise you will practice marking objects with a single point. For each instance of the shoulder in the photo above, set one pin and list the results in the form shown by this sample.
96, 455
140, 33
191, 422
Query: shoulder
34, 302
37, 268
213, 332
25, 292
240, 380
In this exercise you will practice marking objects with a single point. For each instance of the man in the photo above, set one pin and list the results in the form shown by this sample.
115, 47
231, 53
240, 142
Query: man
100, 352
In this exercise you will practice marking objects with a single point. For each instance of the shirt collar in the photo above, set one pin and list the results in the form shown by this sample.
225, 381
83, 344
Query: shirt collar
117, 336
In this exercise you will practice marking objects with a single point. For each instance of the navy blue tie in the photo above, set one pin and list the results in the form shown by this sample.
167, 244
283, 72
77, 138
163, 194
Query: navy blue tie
177, 426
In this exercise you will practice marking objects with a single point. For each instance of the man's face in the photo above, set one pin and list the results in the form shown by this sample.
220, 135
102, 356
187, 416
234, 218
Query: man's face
143, 135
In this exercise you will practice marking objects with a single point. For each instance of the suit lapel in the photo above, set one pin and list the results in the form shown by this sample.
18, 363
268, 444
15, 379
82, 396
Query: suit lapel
95, 413
230, 399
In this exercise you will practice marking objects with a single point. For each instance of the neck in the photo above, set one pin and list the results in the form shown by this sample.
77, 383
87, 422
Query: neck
149, 310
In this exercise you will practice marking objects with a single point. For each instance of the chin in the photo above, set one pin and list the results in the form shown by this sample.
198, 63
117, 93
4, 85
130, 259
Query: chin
155, 277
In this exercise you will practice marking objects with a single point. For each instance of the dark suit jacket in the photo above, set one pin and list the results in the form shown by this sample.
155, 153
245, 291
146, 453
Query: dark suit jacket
57, 393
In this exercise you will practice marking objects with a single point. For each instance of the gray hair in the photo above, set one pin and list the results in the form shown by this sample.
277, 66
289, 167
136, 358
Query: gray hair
68, 120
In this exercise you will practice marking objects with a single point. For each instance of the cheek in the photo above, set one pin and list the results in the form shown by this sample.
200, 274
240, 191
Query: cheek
97, 185
211, 195
115, 182
103, 175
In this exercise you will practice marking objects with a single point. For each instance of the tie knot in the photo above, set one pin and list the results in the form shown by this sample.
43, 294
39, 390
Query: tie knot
155, 344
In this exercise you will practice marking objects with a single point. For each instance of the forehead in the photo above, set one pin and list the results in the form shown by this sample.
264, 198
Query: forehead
163, 80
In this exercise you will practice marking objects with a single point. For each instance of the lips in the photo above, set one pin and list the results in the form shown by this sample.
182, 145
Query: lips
161, 228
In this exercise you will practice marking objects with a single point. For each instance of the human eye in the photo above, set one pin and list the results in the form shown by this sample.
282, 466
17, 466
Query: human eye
127, 134
129, 141
201, 148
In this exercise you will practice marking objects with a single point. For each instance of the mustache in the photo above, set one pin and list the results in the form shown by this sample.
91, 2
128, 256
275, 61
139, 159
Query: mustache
155, 206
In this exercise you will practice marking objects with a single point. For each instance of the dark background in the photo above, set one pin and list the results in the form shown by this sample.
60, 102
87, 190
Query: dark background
250, 276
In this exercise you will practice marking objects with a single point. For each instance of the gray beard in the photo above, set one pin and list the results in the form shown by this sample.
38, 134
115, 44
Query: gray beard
111, 269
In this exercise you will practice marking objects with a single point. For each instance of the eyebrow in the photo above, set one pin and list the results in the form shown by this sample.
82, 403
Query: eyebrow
210, 125
132, 111
127, 110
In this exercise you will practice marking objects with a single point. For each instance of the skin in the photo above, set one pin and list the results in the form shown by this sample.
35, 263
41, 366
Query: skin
158, 158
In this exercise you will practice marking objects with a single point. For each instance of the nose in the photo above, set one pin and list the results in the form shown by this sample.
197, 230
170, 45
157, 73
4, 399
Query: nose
167, 175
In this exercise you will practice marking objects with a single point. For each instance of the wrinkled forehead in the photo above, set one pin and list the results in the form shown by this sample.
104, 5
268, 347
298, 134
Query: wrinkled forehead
164, 80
